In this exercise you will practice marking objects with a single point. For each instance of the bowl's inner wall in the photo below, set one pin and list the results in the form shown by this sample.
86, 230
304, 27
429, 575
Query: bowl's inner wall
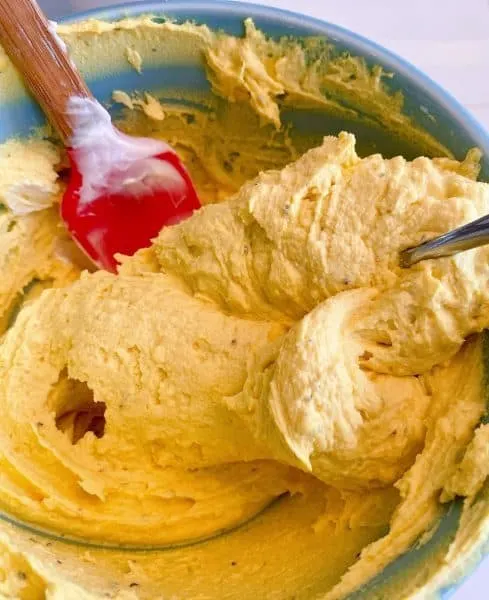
424, 102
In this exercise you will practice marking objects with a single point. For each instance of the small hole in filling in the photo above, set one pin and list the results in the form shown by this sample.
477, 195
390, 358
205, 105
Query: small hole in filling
366, 355
77, 412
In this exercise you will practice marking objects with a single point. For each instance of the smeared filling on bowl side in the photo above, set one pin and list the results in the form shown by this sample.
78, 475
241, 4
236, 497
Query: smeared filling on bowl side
262, 404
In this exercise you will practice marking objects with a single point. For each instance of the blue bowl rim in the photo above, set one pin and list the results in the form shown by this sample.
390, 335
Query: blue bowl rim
359, 44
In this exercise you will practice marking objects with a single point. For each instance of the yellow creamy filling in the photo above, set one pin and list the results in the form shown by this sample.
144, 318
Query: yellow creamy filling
265, 362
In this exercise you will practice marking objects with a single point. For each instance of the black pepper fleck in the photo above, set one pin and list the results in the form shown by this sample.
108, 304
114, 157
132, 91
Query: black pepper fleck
134, 584
233, 563
21, 575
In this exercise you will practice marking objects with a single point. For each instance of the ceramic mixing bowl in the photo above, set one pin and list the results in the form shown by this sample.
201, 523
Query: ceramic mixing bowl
426, 103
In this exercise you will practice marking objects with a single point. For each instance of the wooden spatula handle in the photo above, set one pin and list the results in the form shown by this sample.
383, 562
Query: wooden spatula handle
37, 54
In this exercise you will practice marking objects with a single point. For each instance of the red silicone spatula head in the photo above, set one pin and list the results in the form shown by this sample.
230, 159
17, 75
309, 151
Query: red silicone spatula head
122, 190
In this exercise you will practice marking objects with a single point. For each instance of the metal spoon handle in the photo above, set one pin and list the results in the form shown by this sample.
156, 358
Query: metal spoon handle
468, 236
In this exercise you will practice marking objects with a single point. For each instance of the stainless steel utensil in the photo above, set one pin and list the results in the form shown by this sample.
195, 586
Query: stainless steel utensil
471, 235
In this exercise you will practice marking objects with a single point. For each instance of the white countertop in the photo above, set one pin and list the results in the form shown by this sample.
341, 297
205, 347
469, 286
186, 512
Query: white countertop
447, 39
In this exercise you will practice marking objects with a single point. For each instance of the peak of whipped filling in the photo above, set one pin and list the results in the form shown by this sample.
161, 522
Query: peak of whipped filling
331, 222
168, 438
237, 357
308, 399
